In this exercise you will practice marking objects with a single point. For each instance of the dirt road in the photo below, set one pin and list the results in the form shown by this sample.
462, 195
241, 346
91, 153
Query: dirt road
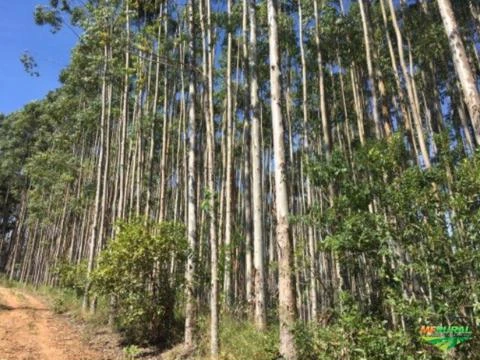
30, 331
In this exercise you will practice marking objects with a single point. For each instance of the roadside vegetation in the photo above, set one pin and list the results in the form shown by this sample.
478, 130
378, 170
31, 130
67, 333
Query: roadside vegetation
255, 179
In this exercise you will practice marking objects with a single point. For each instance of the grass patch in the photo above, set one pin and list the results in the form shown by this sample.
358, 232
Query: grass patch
5, 282
62, 301
240, 340
66, 301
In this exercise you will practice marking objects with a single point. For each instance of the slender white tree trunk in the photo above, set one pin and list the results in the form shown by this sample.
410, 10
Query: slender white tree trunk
287, 306
95, 234
214, 341
191, 190
371, 80
123, 135
417, 120
310, 234
462, 66
321, 85
227, 281
247, 167
256, 163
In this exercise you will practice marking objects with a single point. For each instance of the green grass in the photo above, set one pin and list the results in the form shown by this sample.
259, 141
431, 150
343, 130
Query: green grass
239, 340
62, 301
5, 282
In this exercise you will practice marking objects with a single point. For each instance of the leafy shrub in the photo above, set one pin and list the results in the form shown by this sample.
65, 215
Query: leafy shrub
72, 276
355, 336
59, 305
131, 352
142, 269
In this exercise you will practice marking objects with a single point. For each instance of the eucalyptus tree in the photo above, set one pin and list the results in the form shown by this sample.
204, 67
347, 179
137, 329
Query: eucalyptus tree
191, 186
409, 82
287, 304
104, 17
462, 65
306, 147
208, 70
371, 80
336, 199
256, 181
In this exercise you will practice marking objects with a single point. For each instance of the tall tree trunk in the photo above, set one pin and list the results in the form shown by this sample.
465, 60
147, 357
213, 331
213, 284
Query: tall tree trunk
227, 281
96, 234
247, 165
310, 234
287, 304
371, 72
462, 66
191, 190
256, 163
327, 142
210, 133
417, 120
124, 124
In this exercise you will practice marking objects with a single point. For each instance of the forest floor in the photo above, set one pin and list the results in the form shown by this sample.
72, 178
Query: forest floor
29, 330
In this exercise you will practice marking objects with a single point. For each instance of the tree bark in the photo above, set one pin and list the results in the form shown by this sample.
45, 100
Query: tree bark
371, 72
310, 234
287, 305
462, 66
191, 190
256, 163
227, 281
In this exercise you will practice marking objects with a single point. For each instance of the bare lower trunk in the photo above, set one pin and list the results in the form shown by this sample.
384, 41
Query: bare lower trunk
256, 163
96, 230
310, 233
227, 281
287, 305
191, 193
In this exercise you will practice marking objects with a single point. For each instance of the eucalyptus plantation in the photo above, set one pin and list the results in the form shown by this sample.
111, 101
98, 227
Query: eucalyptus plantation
266, 179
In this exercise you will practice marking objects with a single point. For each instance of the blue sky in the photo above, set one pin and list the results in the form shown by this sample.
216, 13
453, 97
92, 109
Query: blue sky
18, 33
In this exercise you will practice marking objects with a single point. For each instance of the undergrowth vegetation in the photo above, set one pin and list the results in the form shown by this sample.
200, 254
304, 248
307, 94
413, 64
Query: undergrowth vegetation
240, 340
138, 282
141, 270
417, 252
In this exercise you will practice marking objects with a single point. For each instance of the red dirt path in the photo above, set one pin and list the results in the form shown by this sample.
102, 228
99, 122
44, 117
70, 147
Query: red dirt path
30, 331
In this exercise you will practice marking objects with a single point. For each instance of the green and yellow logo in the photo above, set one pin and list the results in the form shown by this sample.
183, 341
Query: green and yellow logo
445, 337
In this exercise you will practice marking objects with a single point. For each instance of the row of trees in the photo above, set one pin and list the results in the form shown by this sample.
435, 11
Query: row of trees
320, 153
